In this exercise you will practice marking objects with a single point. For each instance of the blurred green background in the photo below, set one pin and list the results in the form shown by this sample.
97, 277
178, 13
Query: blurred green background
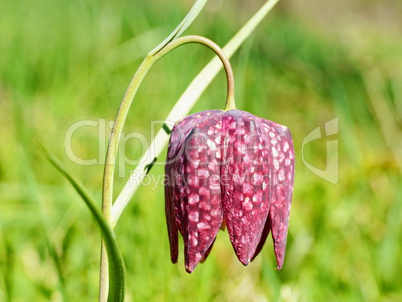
308, 63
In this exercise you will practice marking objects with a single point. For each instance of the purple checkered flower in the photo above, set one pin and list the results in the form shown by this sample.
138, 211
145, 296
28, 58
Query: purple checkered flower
228, 168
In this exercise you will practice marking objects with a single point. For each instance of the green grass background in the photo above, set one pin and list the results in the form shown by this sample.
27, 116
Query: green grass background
306, 64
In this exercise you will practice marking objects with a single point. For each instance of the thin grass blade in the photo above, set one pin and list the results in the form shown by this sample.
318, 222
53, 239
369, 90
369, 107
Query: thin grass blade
116, 262
184, 24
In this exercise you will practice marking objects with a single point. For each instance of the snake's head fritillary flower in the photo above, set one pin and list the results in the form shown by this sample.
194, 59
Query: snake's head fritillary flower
228, 168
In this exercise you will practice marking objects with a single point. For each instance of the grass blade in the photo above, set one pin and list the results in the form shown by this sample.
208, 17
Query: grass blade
116, 262
186, 22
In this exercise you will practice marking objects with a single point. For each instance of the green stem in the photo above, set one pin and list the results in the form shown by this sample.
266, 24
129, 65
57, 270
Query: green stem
230, 102
114, 138
104, 274
107, 198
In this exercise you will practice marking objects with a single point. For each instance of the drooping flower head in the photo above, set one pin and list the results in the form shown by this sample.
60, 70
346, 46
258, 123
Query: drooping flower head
228, 168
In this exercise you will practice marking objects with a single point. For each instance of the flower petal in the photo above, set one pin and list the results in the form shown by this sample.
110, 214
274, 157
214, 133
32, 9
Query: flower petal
197, 193
172, 196
246, 186
171, 224
283, 186
265, 232
207, 252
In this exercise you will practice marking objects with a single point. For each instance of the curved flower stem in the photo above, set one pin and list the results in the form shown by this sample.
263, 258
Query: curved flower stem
230, 102
108, 177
